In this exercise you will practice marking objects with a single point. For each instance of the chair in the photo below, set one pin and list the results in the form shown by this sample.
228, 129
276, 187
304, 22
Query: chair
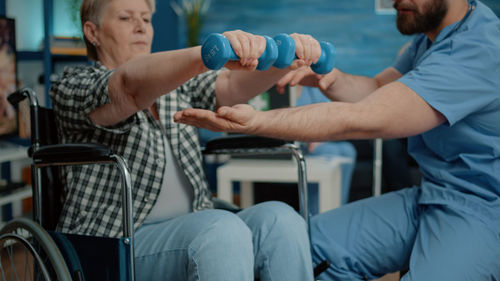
58, 255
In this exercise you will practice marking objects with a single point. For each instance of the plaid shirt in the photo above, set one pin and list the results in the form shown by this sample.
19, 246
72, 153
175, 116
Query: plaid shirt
92, 200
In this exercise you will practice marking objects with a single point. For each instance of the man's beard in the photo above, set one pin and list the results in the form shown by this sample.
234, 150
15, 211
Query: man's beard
416, 22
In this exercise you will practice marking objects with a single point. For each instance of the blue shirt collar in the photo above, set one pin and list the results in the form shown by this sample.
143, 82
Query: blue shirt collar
456, 26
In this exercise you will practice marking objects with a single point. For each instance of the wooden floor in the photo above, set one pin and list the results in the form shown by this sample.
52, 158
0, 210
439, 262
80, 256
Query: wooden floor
390, 277
21, 260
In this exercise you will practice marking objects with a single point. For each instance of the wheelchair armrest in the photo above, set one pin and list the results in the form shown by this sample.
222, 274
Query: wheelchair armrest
74, 153
225, 205
81, 154
241, 142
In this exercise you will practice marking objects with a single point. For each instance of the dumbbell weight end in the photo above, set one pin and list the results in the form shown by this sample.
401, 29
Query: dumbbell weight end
216, 51
326, 61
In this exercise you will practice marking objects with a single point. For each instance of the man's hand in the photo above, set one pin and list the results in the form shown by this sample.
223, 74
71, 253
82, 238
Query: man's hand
241, 118
304, 76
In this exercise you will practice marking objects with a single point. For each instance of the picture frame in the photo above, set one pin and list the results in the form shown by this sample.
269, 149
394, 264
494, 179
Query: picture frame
384, 7
8, 77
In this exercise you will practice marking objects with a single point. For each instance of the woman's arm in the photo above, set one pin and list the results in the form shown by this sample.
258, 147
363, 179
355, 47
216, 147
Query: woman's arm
136, 84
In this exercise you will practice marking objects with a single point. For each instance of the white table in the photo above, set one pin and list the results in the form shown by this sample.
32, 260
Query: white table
324, 171
18, 157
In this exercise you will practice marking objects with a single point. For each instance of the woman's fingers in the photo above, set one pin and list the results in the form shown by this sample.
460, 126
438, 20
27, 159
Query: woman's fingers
307, 48
247, 47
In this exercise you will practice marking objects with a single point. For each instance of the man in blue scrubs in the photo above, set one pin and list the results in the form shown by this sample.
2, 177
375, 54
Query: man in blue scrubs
443, 92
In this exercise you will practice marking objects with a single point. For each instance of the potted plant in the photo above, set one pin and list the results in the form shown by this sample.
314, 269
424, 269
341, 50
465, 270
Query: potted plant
193, 12
74, 12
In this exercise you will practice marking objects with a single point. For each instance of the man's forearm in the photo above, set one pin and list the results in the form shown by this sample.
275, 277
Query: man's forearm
393, 111
315, 122
351, 88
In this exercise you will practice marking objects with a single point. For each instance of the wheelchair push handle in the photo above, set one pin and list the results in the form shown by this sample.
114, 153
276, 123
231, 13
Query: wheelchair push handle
21, 94
18, 96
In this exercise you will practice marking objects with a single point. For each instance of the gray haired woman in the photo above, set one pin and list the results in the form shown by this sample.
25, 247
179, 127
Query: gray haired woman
127, 100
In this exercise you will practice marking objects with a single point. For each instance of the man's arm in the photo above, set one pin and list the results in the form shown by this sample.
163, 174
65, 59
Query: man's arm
392, 111
340, 86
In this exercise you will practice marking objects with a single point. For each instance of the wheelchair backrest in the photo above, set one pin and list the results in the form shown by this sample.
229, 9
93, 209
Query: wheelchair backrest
43, 132
52, 187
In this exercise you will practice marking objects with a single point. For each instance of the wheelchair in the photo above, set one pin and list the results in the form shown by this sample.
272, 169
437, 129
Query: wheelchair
33, 250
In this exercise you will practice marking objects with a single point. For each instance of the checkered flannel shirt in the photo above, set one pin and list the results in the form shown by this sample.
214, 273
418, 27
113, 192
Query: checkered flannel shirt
92, 195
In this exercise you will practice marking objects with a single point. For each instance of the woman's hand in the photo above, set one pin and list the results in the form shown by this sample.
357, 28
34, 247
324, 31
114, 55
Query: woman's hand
307, 50
241, 118
247, 47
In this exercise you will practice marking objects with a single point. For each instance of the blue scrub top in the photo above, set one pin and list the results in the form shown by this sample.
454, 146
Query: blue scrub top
459, 75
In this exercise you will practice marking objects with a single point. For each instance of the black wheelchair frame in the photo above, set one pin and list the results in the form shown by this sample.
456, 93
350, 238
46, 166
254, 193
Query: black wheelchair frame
47, 156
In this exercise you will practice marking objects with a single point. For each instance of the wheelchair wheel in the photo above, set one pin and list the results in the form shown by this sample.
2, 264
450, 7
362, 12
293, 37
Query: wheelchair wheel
28, 253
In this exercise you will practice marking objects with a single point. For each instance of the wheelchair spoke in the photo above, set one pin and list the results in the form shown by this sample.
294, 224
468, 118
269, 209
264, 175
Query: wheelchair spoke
32, 254
27, 266
11, 256
2, 270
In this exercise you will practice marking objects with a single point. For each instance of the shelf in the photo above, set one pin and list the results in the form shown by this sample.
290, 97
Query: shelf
19, 194
69, 58
27, 56
38, 56
12, 152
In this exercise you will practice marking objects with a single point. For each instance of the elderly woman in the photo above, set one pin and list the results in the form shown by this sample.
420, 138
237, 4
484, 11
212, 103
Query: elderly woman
127, 100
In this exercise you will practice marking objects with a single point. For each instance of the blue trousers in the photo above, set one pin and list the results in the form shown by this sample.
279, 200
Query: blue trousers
268, 241
369, 238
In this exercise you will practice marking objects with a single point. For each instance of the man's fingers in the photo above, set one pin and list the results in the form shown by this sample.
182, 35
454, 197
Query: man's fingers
233, 114
285, 80
327, 80
292, 78
204, 119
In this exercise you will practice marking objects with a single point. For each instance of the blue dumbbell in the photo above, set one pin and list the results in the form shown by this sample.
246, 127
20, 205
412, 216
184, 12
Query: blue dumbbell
286, 54
216, 51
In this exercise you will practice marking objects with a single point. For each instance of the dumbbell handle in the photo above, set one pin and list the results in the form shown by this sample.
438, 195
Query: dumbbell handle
286, 54
216, 51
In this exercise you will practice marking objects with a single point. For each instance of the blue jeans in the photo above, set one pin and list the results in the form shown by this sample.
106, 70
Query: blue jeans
268, 241
369, 238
